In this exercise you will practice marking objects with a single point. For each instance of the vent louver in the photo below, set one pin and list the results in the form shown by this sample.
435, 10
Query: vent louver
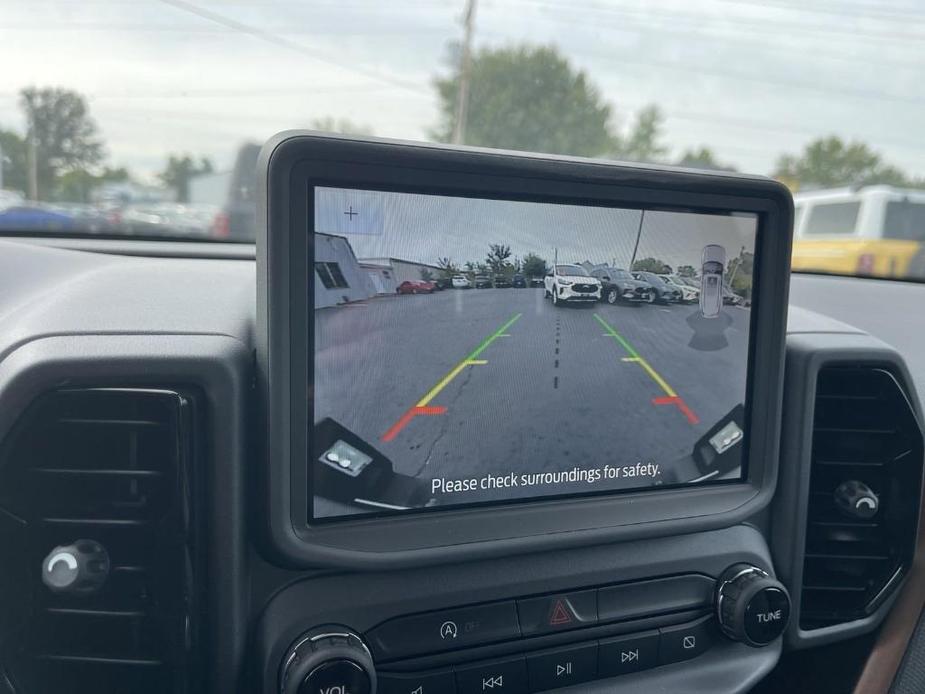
111, 465
865, 430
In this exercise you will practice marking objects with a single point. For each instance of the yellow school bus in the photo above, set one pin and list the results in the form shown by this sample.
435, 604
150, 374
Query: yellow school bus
874, 230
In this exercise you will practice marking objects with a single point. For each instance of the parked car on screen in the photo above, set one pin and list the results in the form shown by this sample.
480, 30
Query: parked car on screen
461, 282
572, 284
665, 292
712, 289
482, 282
689, 295
730, 298
537, 282
619, 285
443, 283
518, 281
416, 287
502, 282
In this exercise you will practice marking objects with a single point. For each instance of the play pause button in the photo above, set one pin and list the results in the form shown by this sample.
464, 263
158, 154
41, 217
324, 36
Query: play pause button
562, 667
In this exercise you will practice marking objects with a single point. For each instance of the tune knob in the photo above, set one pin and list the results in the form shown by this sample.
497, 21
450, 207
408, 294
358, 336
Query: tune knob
328, 660
751, 606
79, 568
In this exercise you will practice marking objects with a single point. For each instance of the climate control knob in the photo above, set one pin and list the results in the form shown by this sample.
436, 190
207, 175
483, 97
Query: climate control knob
328, 659
751, 606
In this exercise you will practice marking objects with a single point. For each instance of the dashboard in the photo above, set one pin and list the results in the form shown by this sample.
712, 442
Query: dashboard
136, 496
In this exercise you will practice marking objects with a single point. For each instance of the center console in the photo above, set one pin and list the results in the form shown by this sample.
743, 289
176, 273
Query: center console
515, 420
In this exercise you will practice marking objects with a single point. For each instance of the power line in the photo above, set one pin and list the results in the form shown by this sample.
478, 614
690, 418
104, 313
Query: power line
696, 20
282, 42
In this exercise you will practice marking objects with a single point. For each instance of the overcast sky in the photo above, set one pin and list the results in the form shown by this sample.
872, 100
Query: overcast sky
423, 228
749, 78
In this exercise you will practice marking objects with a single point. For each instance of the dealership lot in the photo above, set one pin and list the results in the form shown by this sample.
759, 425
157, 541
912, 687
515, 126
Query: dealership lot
469, 383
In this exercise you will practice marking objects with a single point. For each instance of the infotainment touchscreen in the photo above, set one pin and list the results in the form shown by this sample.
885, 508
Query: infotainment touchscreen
475, 351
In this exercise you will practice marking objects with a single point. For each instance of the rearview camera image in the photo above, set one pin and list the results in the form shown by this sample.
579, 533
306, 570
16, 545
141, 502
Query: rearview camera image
471, 351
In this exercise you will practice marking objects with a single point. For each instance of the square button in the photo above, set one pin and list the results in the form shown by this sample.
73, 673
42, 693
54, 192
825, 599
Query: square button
561, 667
630, 653
685, 641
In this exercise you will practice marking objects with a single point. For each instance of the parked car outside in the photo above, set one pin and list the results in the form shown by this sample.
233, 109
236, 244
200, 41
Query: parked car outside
483, 282
416, 287
461, 282
665, 292
572, 284
518, 281
620, 286
502, 282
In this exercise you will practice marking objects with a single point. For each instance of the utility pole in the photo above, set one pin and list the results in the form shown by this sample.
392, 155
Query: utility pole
738, 265
642, 216
33, 162
465, 75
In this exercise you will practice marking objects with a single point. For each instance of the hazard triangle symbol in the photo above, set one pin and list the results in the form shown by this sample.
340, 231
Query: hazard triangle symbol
560, 614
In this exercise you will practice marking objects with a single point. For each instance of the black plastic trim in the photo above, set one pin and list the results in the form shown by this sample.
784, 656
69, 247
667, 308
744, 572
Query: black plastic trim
291, 161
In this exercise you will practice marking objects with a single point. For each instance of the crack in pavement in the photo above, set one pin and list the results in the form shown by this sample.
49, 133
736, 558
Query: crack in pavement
445, 425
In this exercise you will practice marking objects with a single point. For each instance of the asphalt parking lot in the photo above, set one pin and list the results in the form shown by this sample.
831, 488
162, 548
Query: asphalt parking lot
467, 383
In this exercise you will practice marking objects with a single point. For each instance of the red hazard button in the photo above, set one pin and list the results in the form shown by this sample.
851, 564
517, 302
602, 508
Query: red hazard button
561, 613
557, 612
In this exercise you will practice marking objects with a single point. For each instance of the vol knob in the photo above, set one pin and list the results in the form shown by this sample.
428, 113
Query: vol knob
81, 567
328, 659
751, 607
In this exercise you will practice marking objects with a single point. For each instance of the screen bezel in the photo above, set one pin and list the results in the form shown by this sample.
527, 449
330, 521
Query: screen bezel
295, 163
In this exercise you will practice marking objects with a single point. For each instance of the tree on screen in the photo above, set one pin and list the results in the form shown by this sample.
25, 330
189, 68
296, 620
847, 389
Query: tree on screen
447, 267
497, 258
534, 266
655, 265
687, 271
427, 275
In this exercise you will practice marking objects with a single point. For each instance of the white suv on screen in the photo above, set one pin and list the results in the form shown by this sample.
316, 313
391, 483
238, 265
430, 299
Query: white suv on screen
572, 284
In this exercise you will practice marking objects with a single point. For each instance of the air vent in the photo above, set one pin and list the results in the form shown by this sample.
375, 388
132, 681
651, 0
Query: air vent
113, 466
864, 431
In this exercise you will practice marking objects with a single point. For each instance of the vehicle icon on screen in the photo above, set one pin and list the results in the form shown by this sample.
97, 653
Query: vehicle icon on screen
713, 261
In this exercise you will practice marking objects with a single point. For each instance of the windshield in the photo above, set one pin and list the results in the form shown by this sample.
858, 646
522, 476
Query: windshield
571, 270
144, 119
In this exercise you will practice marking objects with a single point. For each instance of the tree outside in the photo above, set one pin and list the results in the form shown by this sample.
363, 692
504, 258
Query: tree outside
64, 136
687, 271
180, 170
528, 98
828, 162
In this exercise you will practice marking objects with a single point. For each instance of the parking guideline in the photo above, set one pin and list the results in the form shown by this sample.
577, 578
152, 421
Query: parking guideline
423, 407
671, 397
